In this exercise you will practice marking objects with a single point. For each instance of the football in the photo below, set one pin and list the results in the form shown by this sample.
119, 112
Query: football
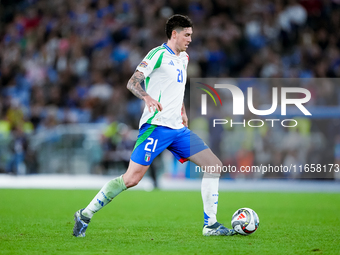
245, 221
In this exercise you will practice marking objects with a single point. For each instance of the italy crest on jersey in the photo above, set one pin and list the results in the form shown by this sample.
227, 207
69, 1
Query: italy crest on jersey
147, 157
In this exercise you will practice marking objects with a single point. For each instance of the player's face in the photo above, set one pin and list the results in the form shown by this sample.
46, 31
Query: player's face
184, 39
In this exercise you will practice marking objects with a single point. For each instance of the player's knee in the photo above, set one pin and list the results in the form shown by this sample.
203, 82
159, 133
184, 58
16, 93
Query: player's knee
214, 167
131, 182
216, 163
219, 163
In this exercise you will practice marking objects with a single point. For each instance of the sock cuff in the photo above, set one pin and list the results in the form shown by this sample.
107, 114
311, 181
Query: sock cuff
211, 175
122, 183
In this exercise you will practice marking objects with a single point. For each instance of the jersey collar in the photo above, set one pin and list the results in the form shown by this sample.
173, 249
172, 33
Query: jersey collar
168, 48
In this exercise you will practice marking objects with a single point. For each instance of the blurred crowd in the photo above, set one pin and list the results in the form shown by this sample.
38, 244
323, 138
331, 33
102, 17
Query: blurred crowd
69, 61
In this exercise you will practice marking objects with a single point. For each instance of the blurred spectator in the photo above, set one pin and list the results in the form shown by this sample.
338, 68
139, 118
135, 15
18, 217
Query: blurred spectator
100, 89
5, 127
118, 145
15, 114
18, 146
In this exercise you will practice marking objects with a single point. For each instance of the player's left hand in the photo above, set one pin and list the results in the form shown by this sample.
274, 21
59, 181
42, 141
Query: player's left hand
152, 104
185, 120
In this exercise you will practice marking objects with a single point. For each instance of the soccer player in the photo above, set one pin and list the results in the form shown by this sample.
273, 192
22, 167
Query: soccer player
163, 125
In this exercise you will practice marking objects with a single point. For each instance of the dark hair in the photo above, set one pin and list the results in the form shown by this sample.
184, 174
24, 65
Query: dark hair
177, 21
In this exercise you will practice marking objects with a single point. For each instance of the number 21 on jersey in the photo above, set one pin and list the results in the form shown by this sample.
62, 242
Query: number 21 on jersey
180, 76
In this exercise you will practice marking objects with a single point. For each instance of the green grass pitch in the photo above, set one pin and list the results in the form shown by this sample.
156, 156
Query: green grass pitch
166, 222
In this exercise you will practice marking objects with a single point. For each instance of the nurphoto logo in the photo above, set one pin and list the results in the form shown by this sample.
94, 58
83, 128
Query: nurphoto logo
238, 106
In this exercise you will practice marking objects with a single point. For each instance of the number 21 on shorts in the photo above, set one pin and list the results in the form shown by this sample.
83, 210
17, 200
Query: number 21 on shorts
150, 143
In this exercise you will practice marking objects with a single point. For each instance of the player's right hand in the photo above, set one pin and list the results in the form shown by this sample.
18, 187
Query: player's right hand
152, 104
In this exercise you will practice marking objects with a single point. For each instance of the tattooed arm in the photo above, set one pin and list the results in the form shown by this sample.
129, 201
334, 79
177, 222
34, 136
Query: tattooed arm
134, 85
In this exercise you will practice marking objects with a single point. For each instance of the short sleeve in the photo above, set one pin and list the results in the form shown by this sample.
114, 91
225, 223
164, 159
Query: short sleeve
149, 62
